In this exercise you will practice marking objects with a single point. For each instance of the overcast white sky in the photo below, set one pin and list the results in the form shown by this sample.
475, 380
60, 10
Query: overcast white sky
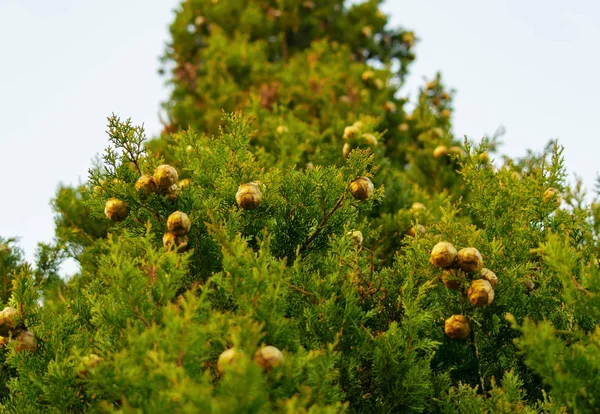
66, 65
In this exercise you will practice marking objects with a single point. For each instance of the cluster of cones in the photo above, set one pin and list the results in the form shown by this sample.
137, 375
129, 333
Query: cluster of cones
11, 328
462, 267
268, 357
178, 226
163, 181
355, 138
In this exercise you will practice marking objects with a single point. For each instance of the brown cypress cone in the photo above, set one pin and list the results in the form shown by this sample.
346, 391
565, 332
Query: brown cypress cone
470, 260
173, 241
26, 342
350, 132
417, 208
457, 327
165, 176
268, 357
443, 255
346, 150
490, 276
185, 183
179, 223
172, 192
8, 320
356, 236
361, 188
370, 139
227, 357
248, 196
88, 362
419, 228
480, 293
389, 106
456, 150
440, 151
529, 285
552, 193
116, 210
146, 184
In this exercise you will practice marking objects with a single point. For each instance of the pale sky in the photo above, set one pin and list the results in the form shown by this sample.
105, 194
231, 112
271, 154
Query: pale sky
66, 65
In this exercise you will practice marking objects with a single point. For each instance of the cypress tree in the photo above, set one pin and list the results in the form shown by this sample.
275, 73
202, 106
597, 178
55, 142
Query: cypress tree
302, 238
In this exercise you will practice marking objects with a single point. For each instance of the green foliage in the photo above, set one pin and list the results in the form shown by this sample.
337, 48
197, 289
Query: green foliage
301, 98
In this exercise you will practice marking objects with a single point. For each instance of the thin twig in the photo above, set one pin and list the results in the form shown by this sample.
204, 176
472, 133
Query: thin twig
481, 382
139, 315
180, 359
284, 46
319, 229
152, 212
357, 268
367, 331
579, 287
372, 266
312, 298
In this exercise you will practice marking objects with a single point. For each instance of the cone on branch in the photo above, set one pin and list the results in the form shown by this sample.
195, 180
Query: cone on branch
369, 139
179, 223
88, 362
356, 236
417, 208
145, 185
165, 176
8, 320
408, 38
529, 285
418, 229
367, 31
346, 150
362, 188
552, 193
185, 183
470, 260
248, 196
389, 106
116, 210
172, 192
490, 276
440, 151
350, 132
26, 342
484, 157
367, 75
227, 358
173, 241
456, 150
268, 357
443, 255
480, 293
457, 327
